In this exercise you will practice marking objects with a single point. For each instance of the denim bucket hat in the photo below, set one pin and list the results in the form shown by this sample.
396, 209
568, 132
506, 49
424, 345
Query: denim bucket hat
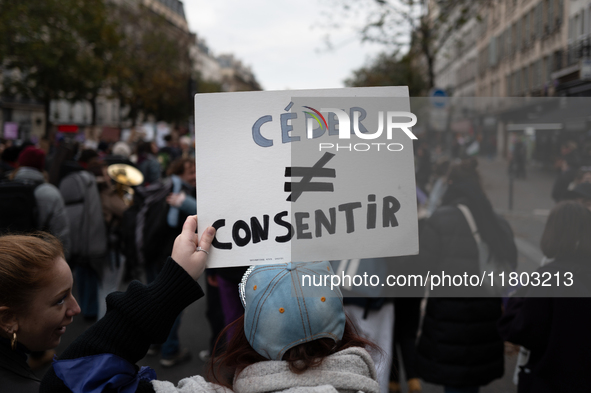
281, 311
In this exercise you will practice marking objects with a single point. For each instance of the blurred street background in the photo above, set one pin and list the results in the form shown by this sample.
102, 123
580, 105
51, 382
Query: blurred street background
88, 84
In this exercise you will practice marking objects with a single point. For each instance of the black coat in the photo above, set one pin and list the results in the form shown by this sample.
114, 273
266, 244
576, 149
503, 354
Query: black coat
556, 330
459, 344
15, 374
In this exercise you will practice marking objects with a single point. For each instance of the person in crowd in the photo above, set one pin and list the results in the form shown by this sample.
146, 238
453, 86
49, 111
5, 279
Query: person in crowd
36, 305
88, 237
459, 346
182, 172
47, 210
169, 153
214, 314
147, 162
568, 165
581, 193
182, 203
407, 315
4, 143
423, 165
553, 327
221, 283
187, 147
456, 147
439, 186
518, 159
583, 176
113, 207
227, 280
8, 159
283, 353
51, 212
63, 155
120, 154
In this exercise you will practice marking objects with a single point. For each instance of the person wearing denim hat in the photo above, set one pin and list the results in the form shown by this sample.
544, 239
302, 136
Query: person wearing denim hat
293, 337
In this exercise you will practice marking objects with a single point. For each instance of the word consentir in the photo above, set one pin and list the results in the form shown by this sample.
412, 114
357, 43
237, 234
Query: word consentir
242, 233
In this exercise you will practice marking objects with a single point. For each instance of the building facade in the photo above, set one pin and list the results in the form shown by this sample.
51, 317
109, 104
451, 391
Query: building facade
516, 48
510, 48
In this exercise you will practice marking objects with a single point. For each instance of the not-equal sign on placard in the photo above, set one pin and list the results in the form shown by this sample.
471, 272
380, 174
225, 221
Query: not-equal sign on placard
307, 174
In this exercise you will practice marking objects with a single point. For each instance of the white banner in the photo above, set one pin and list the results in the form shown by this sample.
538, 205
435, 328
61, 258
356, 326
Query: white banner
306, 175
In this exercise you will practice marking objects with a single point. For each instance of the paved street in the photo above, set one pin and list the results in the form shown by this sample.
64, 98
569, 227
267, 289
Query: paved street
531, 205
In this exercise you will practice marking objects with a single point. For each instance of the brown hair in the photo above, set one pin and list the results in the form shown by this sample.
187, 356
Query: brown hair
238, 353
23, 261
567, 231
177, 167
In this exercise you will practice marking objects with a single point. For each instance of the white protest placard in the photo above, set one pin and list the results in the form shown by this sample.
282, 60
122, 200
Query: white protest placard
306, 175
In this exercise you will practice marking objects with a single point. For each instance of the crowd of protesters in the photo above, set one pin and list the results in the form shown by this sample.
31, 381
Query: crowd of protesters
108, 238
77, 201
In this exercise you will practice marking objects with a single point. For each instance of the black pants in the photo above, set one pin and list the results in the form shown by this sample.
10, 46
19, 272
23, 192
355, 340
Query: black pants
407, 313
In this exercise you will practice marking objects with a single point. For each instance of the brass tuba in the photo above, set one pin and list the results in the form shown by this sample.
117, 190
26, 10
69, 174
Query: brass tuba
125, 176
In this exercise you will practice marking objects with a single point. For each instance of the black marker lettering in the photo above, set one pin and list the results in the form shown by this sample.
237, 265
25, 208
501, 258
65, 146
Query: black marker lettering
279, 221
241, 241
259, 233
349, 217
322, 221
391, 206
222, 246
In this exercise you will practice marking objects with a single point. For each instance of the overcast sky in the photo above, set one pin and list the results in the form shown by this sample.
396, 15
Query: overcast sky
280, 40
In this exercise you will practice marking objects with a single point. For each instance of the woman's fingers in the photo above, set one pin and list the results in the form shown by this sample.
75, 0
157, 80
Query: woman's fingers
207, 238
185, 252
189, 227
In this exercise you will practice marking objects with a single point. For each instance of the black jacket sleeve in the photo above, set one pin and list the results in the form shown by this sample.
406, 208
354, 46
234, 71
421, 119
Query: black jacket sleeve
141, 316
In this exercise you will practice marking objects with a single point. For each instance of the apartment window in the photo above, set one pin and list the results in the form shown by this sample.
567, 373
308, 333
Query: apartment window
492, 52
557, 62
545, 70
